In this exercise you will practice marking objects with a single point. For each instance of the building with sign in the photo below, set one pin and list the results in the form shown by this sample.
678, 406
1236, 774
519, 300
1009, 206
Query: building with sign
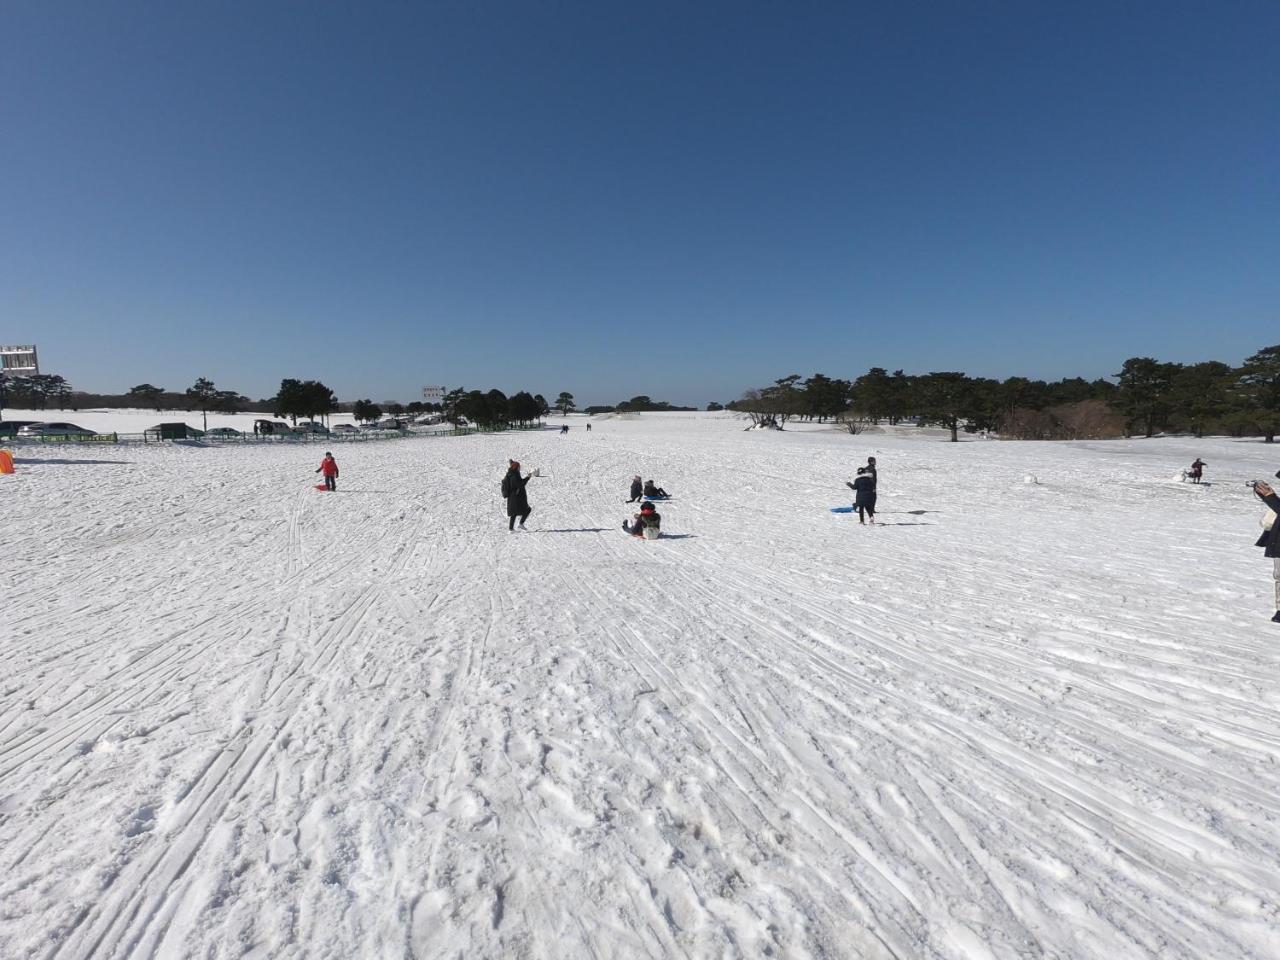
19, 361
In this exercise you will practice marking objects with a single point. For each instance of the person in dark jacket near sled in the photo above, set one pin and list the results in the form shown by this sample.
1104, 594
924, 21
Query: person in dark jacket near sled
864, 495
637, 489
517, 500
1270, 539
647, 524
1196, 471
654, 491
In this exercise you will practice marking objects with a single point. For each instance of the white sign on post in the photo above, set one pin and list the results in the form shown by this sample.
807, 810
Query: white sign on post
433, 393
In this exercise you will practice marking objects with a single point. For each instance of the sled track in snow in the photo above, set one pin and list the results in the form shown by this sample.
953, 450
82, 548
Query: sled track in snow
136, 919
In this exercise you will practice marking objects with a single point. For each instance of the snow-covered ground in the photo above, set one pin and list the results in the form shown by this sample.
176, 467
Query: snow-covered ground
241, 718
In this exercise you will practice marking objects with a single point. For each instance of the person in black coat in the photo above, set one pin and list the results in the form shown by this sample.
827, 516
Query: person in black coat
1270, 539
652, 490
864, 495
517, 500
637, 489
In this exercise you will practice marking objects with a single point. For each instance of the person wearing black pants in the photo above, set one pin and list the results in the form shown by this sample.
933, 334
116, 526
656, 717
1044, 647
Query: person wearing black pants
864, 495
517, 500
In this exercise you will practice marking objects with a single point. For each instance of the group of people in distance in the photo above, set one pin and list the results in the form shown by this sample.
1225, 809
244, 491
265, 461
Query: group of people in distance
647, 524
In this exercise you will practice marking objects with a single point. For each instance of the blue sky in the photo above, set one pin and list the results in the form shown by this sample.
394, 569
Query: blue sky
678, 199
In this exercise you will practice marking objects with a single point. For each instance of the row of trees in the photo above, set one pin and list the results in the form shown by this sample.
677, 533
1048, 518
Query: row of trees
1147, 396
640, 404
296, 398
493, 409
36, 392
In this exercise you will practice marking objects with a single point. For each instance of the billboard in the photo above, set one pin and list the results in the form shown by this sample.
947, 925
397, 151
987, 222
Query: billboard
19, 361
433, 394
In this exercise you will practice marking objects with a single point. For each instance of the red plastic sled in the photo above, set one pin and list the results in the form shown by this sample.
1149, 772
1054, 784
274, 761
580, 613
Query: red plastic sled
321, 486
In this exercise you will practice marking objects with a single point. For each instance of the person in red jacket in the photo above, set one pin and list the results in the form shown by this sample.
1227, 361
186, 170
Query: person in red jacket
329, 467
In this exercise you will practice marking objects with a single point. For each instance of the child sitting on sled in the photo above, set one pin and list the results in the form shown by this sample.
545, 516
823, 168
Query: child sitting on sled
647, 523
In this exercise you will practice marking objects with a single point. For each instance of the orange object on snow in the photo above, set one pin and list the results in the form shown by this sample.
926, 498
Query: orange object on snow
6, 461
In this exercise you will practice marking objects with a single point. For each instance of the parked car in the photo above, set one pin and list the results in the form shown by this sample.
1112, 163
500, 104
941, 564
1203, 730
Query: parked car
54, 430
310, 426
223, 433
10, 428
391, 423
344, 428
174, 430
269, 428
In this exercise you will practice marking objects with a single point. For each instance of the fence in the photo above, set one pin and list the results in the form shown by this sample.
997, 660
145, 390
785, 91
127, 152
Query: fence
363, 436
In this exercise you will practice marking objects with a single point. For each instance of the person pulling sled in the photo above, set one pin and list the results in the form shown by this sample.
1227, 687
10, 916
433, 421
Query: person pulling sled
1197, 470
329, 467
647, 524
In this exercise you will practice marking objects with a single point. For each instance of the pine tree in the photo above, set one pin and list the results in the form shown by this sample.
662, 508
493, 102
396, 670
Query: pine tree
203, 394
1260, 376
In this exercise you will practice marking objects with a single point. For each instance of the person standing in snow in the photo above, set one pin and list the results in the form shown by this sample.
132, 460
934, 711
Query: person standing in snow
1197, 470
871, 469
864, 495
1270, 539
637, 490
517, 500
329, 467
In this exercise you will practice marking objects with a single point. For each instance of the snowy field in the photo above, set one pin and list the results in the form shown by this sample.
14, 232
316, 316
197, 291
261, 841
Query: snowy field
241, 718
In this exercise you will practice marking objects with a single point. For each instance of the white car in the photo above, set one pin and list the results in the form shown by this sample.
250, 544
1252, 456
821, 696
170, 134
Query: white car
54, 430
310, 426
344, 428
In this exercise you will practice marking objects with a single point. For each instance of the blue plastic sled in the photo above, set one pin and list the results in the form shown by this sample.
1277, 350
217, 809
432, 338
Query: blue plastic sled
657, 499
842, 509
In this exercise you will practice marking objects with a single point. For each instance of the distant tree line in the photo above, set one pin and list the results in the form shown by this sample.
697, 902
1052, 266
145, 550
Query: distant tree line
37, 392
493, 409
42, 391
1147, 397
305, 399
641, 404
